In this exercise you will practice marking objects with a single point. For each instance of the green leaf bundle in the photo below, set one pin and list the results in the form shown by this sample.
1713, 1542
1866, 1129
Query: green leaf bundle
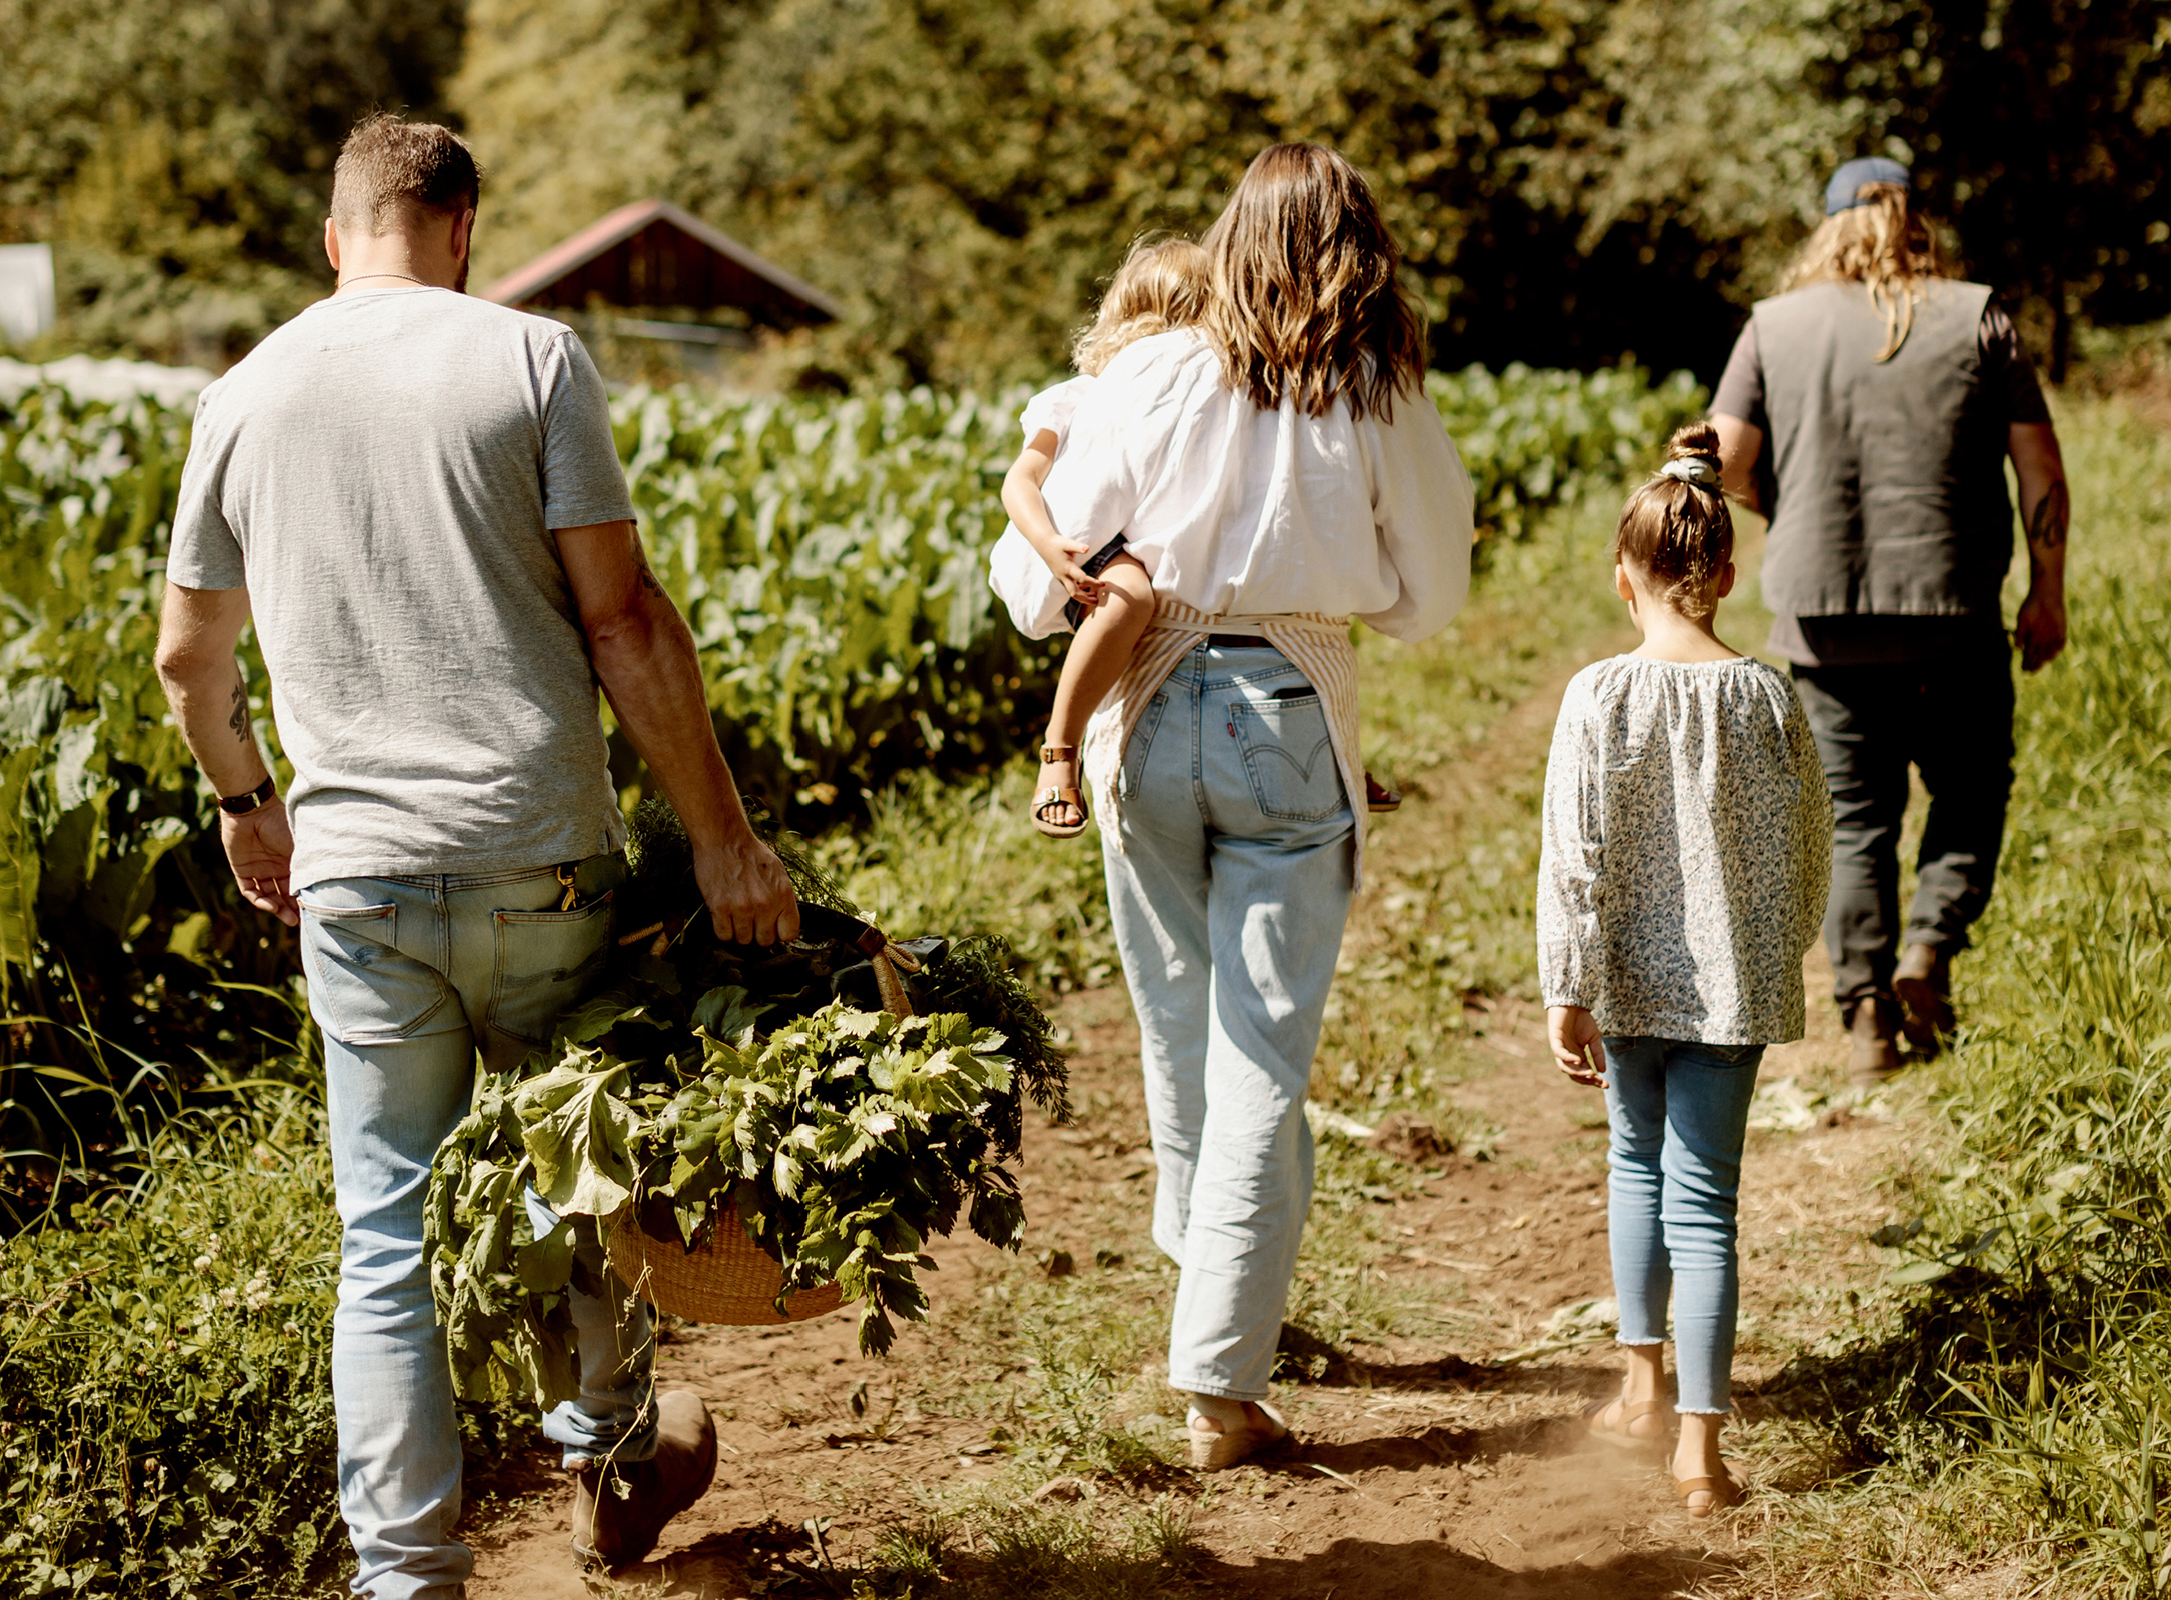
709, 1085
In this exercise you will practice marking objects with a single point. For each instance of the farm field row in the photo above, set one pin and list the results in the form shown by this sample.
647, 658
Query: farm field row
1951, 1289
1990, 1416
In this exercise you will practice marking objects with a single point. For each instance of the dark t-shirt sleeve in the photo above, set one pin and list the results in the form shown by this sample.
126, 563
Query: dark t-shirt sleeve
1741, 386
2009, 370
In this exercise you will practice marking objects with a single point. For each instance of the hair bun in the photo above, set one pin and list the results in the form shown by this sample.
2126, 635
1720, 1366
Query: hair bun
1697, 439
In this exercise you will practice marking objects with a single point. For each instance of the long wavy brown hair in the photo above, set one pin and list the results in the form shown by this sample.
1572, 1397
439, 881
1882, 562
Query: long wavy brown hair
1884, 244
1305, 304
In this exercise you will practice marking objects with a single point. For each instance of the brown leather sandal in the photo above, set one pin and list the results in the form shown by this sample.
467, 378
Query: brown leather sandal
1378, 797
1056, 795
1727, 1490
1619, 1431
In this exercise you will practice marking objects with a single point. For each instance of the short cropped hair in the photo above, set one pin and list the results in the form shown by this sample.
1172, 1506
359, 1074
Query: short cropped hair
390, 170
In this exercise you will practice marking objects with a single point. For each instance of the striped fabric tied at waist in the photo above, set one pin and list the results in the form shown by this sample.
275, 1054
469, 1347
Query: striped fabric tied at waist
1317, 644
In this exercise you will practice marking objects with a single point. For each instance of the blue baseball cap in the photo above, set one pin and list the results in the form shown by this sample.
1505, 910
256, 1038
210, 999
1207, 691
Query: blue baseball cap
1847, 183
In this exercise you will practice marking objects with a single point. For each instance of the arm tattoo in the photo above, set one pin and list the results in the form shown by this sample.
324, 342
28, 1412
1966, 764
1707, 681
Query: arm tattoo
238, 718
2047, 524
644, 577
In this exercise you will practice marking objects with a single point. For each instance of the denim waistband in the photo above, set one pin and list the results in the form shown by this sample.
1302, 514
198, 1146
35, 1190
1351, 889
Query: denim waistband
1214, 665
452, 882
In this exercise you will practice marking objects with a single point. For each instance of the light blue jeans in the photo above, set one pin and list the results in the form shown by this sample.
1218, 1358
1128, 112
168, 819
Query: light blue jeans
408, 979
1228, 899
1679, 1113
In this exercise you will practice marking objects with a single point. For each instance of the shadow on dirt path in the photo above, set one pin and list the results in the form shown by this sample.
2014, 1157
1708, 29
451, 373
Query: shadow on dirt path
1428, 1469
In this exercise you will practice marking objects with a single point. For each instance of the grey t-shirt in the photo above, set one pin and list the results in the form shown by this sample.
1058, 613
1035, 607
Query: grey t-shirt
383, 474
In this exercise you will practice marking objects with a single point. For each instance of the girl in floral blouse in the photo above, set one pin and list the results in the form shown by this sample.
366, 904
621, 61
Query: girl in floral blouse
1688, 845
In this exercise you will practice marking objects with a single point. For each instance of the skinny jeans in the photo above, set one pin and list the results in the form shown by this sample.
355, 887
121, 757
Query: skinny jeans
409, 978
1678, 1114
1951, 718
1228, 897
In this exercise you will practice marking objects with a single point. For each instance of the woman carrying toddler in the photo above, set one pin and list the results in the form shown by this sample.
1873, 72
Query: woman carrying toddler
1687, 851
1161, 286
1279, 472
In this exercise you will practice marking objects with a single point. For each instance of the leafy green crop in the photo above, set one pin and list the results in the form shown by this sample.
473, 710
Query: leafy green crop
839, 1138
839, 1144
829, 554
1531, 437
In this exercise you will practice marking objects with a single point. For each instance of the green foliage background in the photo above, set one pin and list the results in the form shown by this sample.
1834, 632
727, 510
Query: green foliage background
164, 1416
831, 555
1572, 179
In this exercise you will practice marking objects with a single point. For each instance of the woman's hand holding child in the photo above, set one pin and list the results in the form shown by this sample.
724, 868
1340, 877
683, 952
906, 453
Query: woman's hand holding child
1572, 1031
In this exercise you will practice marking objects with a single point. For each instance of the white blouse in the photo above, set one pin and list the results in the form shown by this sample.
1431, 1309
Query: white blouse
1050, 410
1688, 849
1239, 511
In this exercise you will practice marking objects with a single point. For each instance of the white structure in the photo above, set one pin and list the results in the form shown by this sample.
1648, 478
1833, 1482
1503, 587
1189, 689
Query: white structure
27, 306
114, 381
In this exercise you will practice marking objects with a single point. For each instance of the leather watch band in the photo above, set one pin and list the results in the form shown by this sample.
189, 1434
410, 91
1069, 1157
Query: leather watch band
240, 805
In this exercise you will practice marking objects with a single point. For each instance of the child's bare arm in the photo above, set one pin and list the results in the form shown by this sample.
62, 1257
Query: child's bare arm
1029, 512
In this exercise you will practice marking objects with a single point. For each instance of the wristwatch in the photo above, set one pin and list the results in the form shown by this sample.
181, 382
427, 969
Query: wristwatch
240, 805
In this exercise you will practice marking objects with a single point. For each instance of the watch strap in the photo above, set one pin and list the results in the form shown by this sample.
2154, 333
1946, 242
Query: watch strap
240, 805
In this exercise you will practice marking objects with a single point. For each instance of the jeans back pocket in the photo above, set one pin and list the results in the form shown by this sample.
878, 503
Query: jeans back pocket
1288, 757
1140, 744
362, 990
545, 961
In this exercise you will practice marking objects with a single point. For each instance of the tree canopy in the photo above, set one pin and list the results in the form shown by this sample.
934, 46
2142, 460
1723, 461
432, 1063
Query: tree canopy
1572, 179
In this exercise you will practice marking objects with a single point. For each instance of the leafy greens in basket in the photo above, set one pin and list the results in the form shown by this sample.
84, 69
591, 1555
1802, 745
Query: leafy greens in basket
714, 1086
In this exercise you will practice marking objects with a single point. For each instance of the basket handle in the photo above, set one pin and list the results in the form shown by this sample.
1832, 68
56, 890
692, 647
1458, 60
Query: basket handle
891, 987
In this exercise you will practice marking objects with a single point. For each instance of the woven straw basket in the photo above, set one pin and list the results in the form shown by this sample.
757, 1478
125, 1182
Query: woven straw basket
729, 1279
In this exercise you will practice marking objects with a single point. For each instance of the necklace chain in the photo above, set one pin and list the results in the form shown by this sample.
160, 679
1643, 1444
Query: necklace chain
360, 276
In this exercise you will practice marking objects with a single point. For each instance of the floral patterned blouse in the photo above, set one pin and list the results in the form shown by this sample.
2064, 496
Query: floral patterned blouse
1688, 851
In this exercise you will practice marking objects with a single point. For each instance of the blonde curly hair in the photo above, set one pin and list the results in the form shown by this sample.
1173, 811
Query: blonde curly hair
1162, 284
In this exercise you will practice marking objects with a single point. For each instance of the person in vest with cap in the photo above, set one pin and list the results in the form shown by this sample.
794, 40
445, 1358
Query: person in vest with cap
1867, 410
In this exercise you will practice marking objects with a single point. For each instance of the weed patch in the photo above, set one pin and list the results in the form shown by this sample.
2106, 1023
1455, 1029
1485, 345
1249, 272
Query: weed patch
165, 1398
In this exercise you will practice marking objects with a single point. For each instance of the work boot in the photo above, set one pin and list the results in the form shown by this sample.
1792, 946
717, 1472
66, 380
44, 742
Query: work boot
1873, 1025
620, 1529
1924, 986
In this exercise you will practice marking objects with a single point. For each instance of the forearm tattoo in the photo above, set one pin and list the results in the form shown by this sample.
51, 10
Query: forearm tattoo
238, 717
2047, 523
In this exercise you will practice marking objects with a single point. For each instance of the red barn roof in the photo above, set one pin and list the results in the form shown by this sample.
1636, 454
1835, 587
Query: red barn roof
652, 253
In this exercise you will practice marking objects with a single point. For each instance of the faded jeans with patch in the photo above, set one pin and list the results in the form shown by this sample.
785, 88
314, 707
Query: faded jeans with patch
1679, 1113
1228, 899
409, 978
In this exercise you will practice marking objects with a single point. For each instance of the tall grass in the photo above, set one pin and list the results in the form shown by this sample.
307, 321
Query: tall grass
165, 1406
2025, 1384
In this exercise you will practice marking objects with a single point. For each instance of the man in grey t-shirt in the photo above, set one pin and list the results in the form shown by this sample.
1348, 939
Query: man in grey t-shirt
416, 498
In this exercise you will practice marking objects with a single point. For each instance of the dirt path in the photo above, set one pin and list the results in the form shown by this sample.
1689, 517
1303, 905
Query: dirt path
1427, 1467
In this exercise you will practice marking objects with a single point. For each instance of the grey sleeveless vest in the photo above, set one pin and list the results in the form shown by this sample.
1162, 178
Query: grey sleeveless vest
1891, 475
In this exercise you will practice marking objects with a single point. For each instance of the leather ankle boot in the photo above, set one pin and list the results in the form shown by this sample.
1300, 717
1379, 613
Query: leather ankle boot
618, 1529
1924, 986
1873, 1026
